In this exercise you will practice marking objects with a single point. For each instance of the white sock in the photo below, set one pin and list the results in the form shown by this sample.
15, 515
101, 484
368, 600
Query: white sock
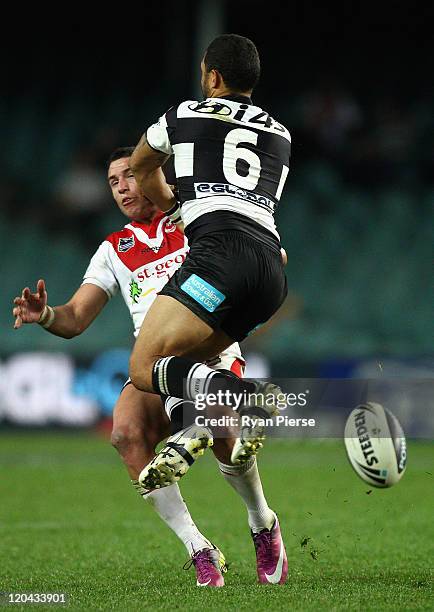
171, 508
247, 483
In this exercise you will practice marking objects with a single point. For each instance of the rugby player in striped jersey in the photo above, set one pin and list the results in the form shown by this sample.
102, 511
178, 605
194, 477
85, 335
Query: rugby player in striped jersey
138, 260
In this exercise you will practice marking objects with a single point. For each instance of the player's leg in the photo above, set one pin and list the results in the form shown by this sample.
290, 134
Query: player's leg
139, 423
198, 313
191, 320
272, 566
189, 440
158, 363
245, 480
183, 332
180, 332
271, 561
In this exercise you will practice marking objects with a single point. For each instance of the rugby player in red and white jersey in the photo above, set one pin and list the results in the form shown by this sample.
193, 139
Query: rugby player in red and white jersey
139, 260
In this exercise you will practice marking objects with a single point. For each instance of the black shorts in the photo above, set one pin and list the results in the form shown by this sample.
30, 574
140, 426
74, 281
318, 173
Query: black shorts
231, 281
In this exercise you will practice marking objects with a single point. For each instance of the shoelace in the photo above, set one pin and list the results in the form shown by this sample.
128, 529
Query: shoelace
262, 542
203, 562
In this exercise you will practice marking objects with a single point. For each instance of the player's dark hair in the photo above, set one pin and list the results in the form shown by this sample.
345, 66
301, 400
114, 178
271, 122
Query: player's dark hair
119, 153
237, 60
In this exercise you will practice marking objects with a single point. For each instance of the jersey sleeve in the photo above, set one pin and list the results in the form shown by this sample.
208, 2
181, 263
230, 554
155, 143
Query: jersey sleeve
160, 134
100, 271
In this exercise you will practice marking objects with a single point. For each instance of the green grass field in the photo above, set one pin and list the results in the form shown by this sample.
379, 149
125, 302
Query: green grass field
71, 522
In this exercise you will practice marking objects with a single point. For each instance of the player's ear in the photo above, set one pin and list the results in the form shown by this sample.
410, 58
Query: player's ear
216, 78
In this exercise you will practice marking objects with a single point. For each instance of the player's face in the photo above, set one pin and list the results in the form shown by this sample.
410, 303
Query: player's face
126, 192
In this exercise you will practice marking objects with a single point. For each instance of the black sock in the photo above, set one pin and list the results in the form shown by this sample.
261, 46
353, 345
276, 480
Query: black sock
183, 378
182, 413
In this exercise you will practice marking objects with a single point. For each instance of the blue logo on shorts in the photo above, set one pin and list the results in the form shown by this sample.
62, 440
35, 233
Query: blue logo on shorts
205, 294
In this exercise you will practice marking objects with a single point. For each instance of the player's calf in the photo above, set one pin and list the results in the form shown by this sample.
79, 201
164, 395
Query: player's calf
134, 447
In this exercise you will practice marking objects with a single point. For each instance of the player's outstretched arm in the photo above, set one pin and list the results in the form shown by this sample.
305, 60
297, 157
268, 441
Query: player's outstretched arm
145, 164
67, 320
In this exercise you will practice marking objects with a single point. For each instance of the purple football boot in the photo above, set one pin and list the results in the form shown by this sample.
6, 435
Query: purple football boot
209, 564
271, 561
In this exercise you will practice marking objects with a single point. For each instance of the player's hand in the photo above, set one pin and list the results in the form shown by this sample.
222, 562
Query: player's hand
284, 256
28, 308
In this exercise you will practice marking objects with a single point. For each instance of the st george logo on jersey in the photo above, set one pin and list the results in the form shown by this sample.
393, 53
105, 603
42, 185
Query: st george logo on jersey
125, 244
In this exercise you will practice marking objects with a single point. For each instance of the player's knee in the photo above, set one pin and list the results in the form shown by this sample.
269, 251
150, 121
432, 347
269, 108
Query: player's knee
123, 438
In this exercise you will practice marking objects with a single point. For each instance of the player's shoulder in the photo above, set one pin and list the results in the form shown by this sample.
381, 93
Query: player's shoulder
169, 118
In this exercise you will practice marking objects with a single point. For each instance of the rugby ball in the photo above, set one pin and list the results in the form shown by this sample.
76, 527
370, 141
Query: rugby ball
375, 445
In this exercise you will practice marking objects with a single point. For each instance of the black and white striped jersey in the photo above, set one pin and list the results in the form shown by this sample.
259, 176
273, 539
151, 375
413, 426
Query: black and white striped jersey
229, 156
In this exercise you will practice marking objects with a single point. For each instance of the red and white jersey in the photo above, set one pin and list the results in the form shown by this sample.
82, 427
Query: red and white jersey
139, 260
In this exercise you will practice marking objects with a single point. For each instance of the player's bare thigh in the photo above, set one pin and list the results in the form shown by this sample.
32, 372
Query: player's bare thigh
170, 328
139, 423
